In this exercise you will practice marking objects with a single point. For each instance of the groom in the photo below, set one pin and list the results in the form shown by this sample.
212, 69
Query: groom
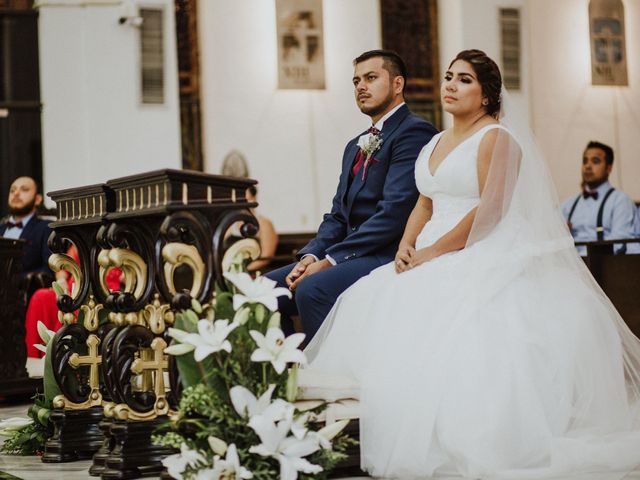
376, 193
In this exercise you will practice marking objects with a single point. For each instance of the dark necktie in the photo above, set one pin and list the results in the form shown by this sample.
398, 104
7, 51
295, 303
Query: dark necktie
10, 224
360, 157
586, 194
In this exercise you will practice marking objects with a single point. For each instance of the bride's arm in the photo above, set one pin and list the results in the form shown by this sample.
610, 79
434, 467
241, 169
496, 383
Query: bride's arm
456, 238
420, 215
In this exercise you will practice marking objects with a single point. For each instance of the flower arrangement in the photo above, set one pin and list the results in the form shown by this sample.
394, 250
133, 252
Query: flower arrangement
236, 418
27, 436
369, 144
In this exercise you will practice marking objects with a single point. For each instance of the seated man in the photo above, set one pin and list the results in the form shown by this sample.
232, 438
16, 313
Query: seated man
599, 212
24, 199
375, 195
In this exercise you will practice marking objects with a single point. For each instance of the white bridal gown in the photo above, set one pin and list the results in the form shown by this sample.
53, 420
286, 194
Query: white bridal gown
481, 372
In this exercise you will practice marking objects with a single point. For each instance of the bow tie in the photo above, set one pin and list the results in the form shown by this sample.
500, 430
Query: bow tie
10, 224
373, 130
586, 194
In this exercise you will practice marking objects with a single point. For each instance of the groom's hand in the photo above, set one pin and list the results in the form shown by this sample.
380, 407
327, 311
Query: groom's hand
299, 269
403, 258
315, 267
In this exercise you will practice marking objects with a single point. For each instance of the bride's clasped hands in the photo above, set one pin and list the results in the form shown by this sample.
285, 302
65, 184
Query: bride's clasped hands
408, 257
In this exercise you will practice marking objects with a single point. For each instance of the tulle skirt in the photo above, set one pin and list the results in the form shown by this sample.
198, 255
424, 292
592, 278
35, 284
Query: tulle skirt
513, 371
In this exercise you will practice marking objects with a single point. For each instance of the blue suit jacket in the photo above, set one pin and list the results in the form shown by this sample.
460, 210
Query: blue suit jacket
368, 217
36, 252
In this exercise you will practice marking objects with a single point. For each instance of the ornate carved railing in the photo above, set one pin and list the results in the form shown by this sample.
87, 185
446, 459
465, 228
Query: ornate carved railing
165, 232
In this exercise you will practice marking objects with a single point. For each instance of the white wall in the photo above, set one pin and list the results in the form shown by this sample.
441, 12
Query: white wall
466, 24
293, 139
568, 111
94, 125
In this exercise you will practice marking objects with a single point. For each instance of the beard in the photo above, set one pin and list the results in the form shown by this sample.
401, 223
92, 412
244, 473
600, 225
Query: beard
374, 110
24, 210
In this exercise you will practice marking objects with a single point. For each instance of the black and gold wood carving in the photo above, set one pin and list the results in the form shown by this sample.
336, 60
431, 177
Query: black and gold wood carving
166, 232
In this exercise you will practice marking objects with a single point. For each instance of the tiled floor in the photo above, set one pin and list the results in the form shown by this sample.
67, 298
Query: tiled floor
31, 468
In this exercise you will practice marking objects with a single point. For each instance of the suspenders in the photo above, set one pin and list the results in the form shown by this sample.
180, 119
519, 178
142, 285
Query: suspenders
599, 227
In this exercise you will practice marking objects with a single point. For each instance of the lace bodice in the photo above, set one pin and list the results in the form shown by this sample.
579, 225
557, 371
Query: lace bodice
453, 188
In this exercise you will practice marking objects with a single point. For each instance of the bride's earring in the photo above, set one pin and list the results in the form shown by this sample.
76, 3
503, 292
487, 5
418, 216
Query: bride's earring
485, 102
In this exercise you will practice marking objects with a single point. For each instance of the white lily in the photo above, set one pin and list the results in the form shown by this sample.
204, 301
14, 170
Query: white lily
288, 450
245, 402
218, 446
227, 469
13, 425
277, 349
261, 290
179, 349
247, 405
177, 464
45, 335
327, 433
211, 338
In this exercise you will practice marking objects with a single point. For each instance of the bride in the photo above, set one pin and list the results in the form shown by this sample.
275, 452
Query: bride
485, 349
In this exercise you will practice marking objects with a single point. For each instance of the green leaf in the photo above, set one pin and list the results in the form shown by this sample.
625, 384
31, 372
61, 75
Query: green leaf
51, 389
224, 306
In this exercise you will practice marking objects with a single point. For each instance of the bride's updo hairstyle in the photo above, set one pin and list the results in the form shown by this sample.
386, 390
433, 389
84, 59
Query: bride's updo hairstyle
488, 75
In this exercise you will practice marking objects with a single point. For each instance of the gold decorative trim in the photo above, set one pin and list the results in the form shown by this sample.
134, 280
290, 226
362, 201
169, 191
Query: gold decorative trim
185, 194
245, 248
175, 254
91, 314
93, 359
209, 194
152, 364
132, 265
157, 315
62, 261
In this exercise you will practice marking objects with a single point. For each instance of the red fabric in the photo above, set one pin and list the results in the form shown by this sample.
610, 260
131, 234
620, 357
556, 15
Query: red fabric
41, 307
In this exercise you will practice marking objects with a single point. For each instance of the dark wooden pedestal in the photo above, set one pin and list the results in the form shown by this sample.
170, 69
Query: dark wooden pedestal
109, 443
76, 435
14, 381
133, 455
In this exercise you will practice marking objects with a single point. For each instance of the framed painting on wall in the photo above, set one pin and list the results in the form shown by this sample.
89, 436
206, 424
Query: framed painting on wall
300, 44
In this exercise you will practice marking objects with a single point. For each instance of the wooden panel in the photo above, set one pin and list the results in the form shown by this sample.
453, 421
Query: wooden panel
619, 277
410, 27
189, 78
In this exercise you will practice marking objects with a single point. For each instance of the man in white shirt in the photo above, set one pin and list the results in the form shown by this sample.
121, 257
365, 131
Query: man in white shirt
599, 212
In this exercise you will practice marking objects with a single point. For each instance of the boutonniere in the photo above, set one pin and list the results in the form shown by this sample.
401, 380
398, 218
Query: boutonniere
369, 144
